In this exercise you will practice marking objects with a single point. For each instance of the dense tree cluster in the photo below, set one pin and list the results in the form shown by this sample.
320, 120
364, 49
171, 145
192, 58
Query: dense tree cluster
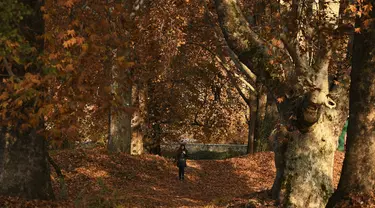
136, 74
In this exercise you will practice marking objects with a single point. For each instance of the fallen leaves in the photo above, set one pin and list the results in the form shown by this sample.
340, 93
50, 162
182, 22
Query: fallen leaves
95, 178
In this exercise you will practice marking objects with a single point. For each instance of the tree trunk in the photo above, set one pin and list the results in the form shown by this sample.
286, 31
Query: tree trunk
304, 156
153, 137
309, 166
251, 124
278, 140
312, 114
120, 122
271, 119
156, 139
357, 177
138, 121
24, 167
309, 154
259, 131
119, 137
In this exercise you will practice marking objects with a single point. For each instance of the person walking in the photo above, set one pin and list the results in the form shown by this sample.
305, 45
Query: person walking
181, 161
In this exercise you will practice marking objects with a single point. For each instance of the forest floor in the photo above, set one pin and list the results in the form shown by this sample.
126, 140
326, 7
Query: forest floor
95, 178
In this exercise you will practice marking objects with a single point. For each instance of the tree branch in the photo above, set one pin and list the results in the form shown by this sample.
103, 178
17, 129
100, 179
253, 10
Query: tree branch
9, 70
236, 29
226, 67
243, 68
244, 82
293, 53
227, 70
55, 166
251, 50
233, 81
8, 67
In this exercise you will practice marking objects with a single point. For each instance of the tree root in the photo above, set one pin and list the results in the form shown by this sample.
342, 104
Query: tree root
63, 189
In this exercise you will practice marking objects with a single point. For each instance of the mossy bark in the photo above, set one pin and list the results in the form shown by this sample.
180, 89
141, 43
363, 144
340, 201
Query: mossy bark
309, 167
309, 155
313, 115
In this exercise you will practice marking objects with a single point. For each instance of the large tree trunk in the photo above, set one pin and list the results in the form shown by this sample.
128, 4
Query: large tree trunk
358, 174
120, 120
120, 116
309, 165
24, 167
313, 120
304, 156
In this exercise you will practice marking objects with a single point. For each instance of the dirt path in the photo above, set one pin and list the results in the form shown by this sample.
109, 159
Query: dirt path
97, 179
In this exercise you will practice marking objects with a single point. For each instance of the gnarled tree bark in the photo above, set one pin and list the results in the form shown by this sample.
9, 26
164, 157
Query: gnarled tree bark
312, 118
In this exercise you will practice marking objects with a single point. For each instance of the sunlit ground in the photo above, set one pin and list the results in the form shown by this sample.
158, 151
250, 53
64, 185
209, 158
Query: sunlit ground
96, 179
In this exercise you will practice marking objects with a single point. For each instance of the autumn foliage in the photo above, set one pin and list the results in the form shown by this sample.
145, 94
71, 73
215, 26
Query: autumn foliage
177, 70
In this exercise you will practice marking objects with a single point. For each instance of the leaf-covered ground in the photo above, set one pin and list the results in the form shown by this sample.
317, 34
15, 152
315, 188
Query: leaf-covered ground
95, 178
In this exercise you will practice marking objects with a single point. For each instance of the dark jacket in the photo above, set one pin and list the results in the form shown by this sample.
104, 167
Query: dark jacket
181, 158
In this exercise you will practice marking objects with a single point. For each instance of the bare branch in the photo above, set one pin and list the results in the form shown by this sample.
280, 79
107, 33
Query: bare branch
236, 29
293, 52
248, 73
250, 49
227, 68
228, 72
233, 81
244, 81
234, 58
55, 166
9, 69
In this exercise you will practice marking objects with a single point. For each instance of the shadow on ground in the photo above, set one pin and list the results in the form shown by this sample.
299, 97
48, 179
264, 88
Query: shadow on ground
94, 178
